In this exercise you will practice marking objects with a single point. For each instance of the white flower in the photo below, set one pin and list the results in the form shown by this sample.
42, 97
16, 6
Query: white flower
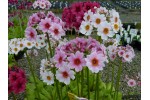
114, 16
48, 77
86, 28
88, 15
35, 52
15, 50
102, 10
97, 19
116, 27
105, 30
28, 44
64, 74
21, 45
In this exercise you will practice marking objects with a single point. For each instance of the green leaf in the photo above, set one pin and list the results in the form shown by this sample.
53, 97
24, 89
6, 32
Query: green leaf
45, 93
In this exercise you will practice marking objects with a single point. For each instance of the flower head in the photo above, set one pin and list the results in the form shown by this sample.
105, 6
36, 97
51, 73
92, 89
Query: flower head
76, 61
131, 83
105, 30
59, 58
86, 28
30, 34
45, 24
95, 62
97, 19
64, 74
48, 77
57, 31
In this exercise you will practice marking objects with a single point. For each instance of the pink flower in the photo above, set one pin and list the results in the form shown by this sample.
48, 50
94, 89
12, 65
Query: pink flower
45, 24
121, 53
59, 58
76, 61
13, 77
87, 6
131, 83
112, 56
10, 89
77, 8
56, 31
19, 86
50, 15
95, 62
34, 19
64, 74
127, 56
30, 34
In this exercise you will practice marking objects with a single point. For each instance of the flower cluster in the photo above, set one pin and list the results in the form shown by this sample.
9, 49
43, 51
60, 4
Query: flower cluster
75, 14
43, 4
104, 22
134, 81
125, 52
17, 80
19, 44
81, 52
63, 74
45, 23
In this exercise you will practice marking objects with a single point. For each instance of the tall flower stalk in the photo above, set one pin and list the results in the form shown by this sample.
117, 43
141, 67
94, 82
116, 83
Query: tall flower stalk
88, 83
118, 80
32, 73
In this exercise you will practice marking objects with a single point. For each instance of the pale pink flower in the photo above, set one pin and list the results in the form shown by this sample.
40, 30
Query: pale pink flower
127, 56
45, 24
64, 74
131, 83
121, 53
76, 61
30, 34
112, 56
56, 31
59, 58
95, 62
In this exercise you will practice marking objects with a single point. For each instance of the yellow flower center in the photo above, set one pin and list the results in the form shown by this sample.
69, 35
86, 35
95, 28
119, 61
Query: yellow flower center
48, 78
98, 21
88, 17
15, 49
116, 26
21, 45
29, 44
87, 27
116, 19
106, 31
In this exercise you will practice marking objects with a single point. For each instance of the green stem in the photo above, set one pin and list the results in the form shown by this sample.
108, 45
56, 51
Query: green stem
98, 79
47, 55
32, 73
118, 80
49, 44
14, 96
88, 83
78, 83
95, 89
58, 92
107, 78
82, 80
51, 95
112, 78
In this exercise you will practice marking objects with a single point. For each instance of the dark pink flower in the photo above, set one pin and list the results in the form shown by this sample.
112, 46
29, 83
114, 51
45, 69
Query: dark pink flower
19, 86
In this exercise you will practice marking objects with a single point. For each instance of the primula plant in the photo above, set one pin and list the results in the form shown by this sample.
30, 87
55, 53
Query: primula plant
72, 68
